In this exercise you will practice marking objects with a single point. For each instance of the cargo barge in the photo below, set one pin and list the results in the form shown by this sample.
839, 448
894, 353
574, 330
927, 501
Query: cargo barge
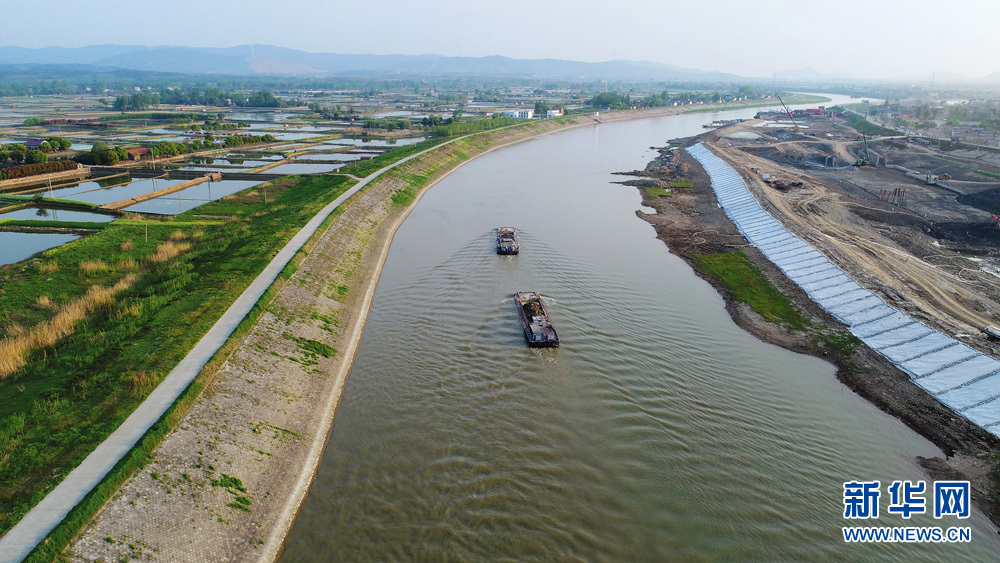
507, 240
538, 330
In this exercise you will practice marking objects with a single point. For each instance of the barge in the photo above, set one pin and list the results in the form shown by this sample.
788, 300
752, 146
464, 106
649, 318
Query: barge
507, 240
538, 329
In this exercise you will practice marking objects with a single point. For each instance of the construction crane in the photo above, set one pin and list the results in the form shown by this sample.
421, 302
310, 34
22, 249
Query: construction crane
787, 111
866, 159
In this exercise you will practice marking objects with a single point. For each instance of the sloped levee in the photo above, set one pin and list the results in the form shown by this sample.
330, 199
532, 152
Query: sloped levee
963, 379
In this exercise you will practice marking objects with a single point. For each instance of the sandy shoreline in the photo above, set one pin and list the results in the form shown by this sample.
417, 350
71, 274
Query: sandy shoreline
217, 486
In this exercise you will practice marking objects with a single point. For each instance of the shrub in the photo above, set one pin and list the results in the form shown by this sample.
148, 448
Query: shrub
25, 170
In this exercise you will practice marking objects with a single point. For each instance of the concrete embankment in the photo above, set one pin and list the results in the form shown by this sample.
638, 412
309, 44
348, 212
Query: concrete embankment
964, 380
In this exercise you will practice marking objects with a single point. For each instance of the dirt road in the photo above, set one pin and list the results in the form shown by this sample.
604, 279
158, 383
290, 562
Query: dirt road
825, 217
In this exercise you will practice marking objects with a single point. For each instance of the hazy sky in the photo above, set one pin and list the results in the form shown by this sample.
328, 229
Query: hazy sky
873, 38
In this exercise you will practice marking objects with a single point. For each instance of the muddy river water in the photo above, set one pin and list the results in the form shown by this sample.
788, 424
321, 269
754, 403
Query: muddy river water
658, 431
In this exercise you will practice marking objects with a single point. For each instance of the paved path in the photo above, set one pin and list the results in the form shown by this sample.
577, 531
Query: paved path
17, 543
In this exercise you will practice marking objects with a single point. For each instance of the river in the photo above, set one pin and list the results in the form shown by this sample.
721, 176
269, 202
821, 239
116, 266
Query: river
658, 431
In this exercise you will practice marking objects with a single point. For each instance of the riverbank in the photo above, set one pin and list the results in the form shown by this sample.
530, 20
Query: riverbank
219, 478
695, 228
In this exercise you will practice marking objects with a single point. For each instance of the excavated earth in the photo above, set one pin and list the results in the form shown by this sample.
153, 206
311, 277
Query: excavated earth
878, 253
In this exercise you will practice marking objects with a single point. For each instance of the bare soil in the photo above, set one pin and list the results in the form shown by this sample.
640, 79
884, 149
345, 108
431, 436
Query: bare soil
691, 222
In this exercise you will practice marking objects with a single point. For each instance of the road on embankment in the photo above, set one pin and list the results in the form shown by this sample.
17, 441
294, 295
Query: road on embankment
36, 525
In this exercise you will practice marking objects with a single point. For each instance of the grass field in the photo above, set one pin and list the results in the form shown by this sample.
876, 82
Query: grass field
748, 285
88, 329
792, 99
362, 168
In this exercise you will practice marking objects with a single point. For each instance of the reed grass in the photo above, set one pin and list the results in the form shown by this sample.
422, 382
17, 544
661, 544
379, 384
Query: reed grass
14, 350
168, 251
92, 266
48, 267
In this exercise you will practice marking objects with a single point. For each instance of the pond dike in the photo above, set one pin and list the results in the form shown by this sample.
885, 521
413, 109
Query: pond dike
181, 174
116, 205
964, 380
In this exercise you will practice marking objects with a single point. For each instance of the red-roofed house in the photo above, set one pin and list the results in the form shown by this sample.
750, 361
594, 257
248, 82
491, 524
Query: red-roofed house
137, 154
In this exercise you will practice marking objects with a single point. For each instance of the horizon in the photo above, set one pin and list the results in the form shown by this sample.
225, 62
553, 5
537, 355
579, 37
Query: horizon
876, 41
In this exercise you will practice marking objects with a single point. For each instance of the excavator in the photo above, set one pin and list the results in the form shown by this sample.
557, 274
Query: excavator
866, 158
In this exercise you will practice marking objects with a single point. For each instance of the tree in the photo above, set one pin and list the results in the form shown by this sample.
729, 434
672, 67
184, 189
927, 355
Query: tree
613, 100
101, 153
121, 104
541, 107
4, 155
167, 148
45, 146
35, 157
263, 99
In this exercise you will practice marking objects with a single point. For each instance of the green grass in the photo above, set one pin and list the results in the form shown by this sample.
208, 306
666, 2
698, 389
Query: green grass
362, 168
473, 126
987, 173
311, 348
404, 196
748, 285
55, 410
656, 192
664, 192
793, 99
50, 201
843, 342
83, 225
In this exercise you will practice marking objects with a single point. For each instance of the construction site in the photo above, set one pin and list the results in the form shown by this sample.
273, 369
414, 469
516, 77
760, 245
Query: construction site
912, 221
908, 220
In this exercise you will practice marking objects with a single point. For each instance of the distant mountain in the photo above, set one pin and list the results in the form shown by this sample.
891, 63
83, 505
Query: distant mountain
62, 55
268, 59
809, 74
945, 76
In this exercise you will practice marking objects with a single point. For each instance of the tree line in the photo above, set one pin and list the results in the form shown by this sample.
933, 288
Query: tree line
19, 152
104, 155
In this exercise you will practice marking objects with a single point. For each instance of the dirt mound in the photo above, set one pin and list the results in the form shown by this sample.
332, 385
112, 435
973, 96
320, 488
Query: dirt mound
980, 234
987, 200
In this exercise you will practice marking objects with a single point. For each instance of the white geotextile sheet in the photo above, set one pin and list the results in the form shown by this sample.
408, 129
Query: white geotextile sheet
966, 381
961, 374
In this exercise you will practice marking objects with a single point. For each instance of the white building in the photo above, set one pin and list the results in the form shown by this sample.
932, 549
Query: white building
520, 113
554, 113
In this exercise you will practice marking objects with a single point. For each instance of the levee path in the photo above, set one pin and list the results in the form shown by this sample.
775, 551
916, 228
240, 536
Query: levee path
17, 543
